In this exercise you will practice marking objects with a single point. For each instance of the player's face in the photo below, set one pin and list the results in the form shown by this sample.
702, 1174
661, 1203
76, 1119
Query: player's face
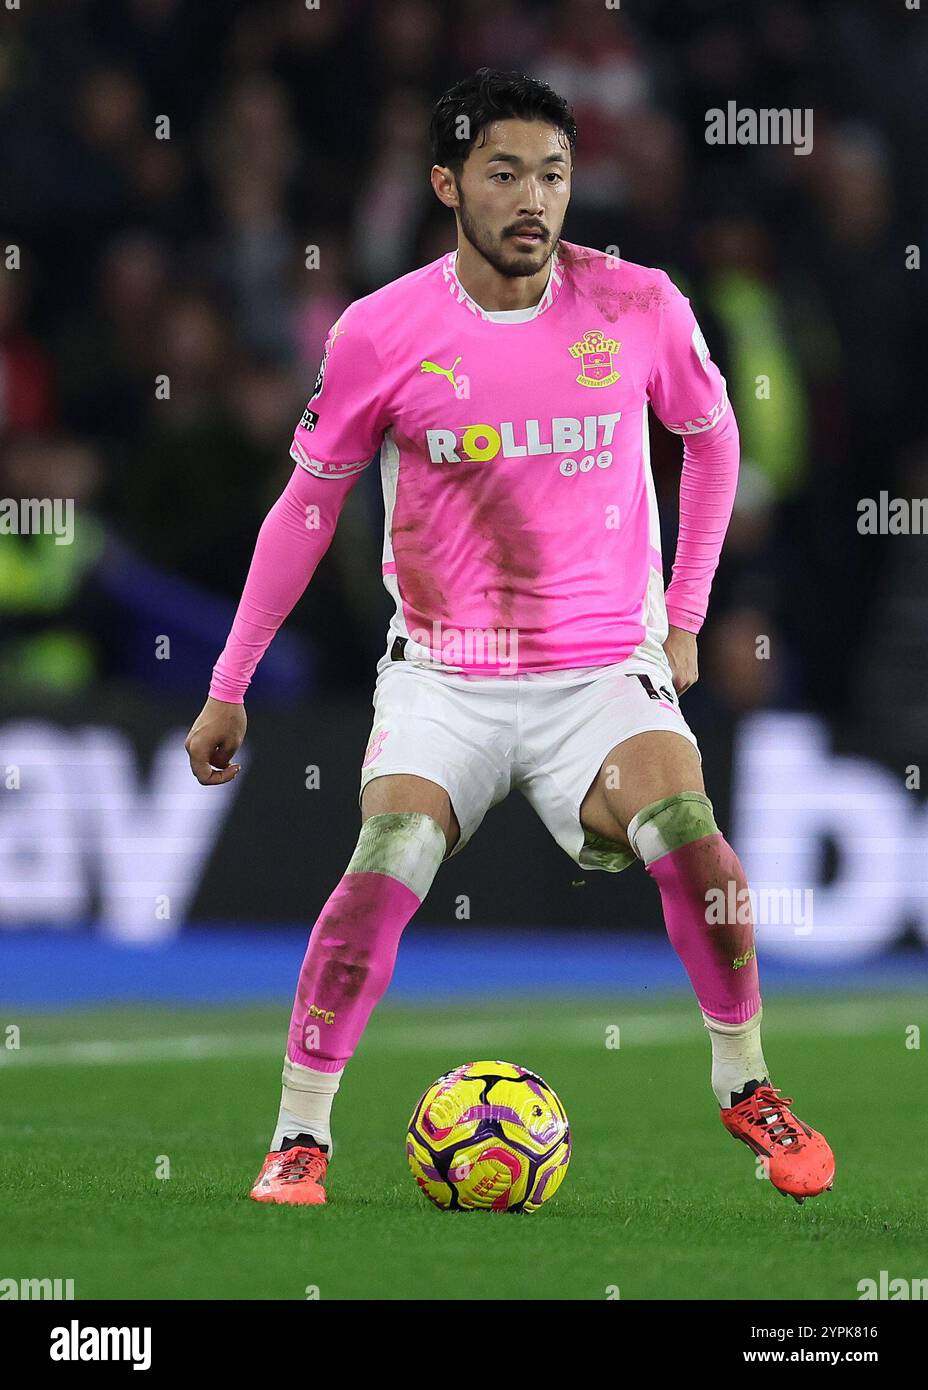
513, 194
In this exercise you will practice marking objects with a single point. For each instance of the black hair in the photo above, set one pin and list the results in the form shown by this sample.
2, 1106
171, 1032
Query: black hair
491, 95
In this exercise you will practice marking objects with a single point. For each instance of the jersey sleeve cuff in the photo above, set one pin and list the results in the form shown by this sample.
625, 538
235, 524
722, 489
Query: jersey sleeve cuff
679, 617
324, 470
700, 423
220, 689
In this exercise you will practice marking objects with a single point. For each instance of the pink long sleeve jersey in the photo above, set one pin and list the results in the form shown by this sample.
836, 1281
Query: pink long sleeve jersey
521, 528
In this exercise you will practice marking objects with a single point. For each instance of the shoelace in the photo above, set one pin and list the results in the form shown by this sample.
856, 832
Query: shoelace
771, 1114
298, 1164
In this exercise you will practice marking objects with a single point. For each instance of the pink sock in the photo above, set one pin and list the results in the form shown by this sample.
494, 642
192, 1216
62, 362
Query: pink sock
347, 967
710, 922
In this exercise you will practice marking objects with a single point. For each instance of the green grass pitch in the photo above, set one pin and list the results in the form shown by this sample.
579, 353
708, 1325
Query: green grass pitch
659, 1202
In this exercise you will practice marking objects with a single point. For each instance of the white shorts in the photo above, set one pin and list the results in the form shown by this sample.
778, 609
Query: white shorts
546, 734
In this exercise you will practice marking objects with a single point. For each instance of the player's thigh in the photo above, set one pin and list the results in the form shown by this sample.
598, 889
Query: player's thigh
643, 769
399, 792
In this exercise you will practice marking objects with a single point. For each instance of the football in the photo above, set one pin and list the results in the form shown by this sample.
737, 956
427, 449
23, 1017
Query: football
489, 1136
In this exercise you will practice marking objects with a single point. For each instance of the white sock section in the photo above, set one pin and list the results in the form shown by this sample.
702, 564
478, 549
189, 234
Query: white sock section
737, 1056
306, 1104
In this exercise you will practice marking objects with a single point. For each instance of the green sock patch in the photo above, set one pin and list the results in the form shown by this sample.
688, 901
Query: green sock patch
600, 853
407, 845
670, 824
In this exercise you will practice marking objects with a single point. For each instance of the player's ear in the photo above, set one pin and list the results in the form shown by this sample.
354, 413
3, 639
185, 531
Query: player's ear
443, 183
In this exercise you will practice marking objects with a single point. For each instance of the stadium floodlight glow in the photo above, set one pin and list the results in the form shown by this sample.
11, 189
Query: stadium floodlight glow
792, 798
80, 827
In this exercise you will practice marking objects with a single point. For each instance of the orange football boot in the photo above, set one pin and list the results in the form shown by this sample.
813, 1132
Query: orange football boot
294, 1176
799, 1160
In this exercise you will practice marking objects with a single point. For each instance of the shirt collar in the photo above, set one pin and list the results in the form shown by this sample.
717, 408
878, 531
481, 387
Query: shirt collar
555, 277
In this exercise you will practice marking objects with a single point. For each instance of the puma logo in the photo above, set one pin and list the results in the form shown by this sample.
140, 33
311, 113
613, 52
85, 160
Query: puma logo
441, 371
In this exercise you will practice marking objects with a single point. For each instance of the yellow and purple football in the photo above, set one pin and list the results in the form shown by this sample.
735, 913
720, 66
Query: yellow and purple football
489, 1136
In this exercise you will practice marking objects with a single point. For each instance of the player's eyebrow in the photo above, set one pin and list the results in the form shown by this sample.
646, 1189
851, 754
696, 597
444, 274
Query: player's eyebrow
515, 159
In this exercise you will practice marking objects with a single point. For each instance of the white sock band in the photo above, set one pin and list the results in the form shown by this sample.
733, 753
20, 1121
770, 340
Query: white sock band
306, 1104
737, 1056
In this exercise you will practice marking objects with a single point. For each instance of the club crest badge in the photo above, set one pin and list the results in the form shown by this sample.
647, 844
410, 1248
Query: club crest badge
595, 352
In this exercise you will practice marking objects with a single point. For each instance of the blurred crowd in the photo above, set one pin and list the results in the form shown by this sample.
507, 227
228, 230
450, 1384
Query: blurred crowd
197, 189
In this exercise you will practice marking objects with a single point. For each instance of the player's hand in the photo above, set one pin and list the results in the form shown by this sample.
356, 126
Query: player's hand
215, 738
680, 649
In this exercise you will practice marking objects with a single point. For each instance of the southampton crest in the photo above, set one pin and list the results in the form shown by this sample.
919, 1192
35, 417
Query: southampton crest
595, 351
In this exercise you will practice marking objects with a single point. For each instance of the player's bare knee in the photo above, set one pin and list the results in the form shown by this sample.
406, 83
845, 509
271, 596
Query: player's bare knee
399, 793
598, 818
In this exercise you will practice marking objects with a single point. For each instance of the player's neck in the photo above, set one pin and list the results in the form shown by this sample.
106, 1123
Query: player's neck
495, 292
